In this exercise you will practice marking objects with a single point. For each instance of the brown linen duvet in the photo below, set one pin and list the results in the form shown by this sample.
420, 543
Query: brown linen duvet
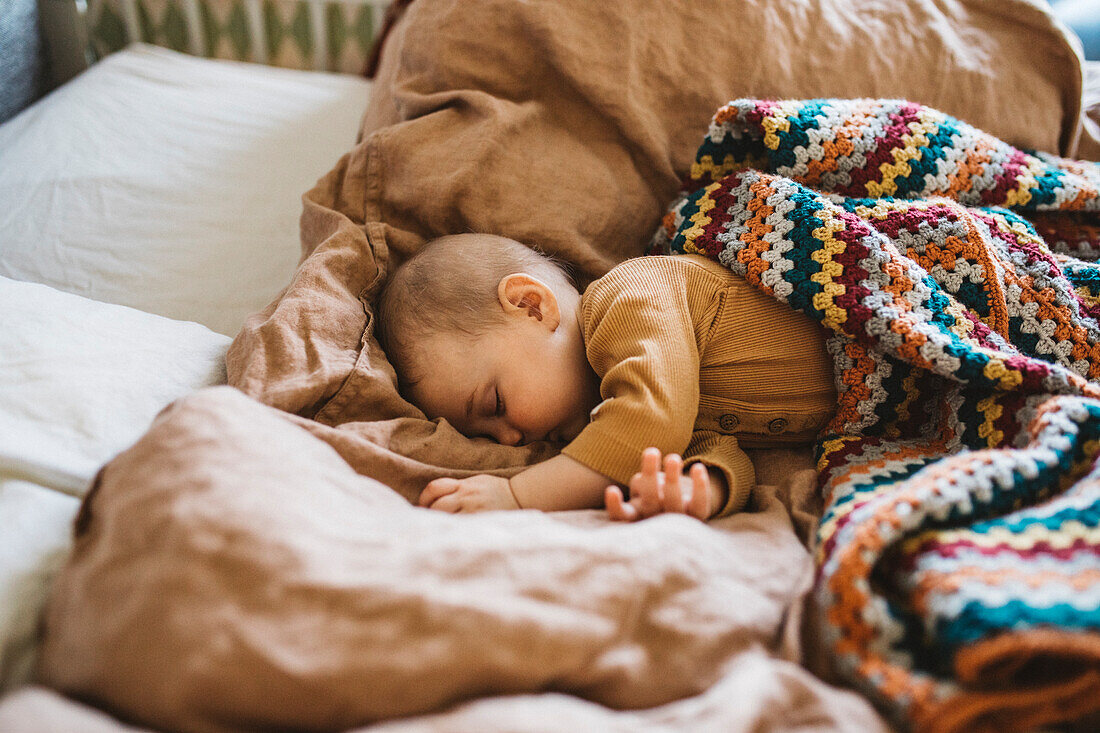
254, 563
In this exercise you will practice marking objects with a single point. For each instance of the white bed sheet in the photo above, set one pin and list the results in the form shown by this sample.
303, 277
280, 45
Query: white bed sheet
79, 381
166, 189
37, 539
169, 183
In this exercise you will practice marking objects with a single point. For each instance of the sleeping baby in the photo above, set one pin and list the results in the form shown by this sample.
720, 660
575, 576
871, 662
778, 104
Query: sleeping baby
654, 379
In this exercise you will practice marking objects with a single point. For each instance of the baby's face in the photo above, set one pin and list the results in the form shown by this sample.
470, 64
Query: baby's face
516, 384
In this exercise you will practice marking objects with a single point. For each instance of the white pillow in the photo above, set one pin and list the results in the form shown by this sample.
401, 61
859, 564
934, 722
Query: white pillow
81, 380
169, 183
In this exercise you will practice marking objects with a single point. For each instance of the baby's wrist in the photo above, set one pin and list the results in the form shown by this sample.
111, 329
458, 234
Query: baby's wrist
512, 492
719, 495
719, 491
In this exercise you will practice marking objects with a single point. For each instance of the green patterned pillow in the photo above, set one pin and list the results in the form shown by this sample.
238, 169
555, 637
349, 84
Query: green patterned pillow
334, 35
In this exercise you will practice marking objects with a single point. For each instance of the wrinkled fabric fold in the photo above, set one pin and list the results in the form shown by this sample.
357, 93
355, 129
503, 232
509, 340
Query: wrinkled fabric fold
232, 572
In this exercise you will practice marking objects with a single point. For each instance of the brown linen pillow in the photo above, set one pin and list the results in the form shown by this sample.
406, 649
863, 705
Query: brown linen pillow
569, 124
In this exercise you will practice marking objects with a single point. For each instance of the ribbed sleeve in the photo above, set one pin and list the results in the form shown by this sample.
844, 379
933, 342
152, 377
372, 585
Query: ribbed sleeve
641, 342
722, 452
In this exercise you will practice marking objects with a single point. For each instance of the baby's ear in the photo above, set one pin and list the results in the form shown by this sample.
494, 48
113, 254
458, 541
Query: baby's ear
526, 296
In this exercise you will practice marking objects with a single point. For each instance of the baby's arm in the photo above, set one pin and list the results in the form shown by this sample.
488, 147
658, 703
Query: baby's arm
555, 484
559, 483
564, 483
699, 494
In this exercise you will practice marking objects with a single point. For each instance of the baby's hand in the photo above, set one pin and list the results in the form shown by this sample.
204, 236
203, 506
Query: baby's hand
481, 493
653, 492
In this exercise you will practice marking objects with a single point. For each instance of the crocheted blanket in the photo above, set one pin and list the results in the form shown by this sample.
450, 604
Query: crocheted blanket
959, 553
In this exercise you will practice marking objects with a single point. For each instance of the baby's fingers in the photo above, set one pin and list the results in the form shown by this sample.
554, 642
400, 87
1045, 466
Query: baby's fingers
618, 509
699, 504
651, 462
436, 489
673, 500
451, 503
645, 486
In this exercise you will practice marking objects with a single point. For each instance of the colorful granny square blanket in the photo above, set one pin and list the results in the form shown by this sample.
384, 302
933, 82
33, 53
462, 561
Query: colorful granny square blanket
959, 553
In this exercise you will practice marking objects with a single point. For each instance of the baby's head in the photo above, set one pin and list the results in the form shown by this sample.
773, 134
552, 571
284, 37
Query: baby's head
483, 331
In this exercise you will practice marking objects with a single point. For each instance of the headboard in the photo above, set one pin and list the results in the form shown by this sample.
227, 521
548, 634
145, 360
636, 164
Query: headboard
323, 35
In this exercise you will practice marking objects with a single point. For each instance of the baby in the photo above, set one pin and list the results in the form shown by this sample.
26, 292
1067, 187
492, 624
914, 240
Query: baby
649, 379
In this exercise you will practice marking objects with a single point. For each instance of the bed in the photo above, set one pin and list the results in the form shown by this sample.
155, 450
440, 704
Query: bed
245, 556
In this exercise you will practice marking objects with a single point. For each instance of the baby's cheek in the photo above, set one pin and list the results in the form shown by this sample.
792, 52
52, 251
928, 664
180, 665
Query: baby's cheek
526, 415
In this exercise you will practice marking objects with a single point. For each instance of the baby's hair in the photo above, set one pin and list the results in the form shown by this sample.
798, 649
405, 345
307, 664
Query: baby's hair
450, 287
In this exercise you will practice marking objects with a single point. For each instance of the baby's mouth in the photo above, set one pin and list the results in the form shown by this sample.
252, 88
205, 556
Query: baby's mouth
556, 436
570, 432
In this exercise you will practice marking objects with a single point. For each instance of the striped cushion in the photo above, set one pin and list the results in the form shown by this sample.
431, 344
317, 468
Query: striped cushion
298, 34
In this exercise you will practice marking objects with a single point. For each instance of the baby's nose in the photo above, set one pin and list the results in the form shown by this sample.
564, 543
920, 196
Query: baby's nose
509, 436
